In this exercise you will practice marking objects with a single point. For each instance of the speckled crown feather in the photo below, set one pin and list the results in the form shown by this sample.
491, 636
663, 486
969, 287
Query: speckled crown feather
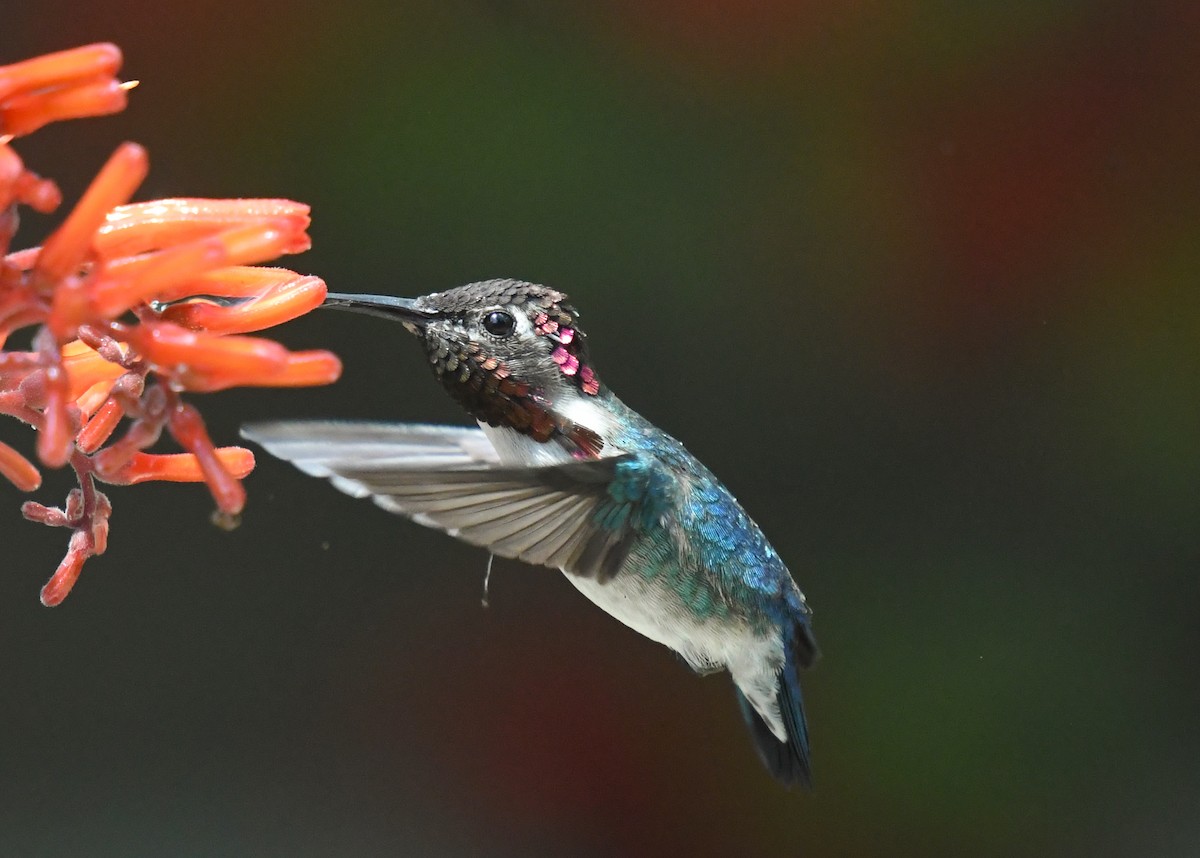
487, 293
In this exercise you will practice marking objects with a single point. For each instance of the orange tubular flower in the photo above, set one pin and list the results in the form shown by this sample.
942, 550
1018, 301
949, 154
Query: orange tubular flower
274, 295
181, 467
18, 470
66, 85
136, 304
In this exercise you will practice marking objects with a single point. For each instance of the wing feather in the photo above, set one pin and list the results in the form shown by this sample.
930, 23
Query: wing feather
452, 479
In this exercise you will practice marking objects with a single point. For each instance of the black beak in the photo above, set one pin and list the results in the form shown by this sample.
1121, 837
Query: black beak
386, 306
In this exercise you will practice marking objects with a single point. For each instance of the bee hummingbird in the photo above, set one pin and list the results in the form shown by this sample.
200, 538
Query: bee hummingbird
561, 473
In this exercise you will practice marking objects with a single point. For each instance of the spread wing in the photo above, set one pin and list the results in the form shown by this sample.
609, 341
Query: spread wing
450, 478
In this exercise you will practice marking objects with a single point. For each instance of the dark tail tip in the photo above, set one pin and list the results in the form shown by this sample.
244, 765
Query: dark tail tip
788, 761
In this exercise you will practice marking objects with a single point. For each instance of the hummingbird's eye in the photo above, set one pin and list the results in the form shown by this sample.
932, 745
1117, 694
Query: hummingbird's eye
499, 323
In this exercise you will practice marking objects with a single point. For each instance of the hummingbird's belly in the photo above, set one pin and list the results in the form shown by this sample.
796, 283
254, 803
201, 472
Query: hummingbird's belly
653, 609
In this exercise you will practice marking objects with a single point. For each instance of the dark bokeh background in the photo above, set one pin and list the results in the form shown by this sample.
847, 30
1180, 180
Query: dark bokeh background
917, 279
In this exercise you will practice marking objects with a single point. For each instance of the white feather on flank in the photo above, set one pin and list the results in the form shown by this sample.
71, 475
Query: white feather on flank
753, 660
513, 448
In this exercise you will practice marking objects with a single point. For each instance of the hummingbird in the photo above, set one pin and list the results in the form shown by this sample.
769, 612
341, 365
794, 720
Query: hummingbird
561, 473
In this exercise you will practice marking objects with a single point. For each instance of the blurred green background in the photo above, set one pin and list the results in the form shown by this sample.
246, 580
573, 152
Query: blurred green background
918, 280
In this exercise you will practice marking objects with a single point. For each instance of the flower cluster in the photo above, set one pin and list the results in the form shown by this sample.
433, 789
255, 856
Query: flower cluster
131, 305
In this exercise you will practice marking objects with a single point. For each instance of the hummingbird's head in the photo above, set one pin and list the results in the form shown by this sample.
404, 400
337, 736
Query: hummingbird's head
510, 352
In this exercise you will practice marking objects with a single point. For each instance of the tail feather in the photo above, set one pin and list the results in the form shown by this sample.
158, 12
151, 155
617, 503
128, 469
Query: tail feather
788, 761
